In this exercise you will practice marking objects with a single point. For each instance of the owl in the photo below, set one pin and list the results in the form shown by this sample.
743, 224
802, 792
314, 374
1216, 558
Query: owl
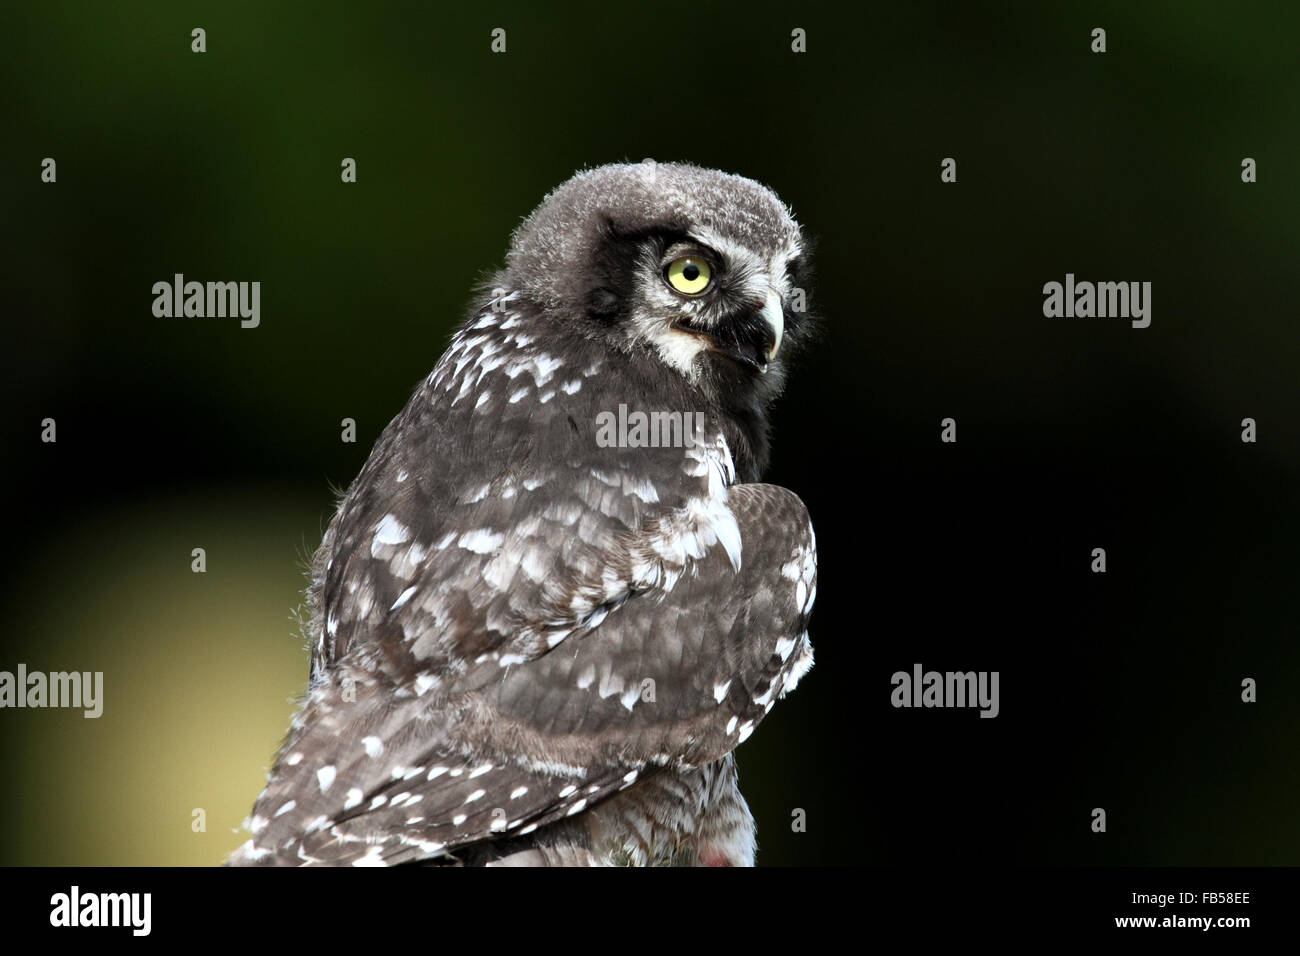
557, 598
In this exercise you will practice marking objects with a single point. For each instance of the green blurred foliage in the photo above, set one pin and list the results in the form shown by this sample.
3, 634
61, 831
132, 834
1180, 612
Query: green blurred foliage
199, 671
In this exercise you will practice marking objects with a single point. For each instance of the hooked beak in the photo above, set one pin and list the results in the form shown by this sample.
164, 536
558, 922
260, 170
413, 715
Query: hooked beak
774, 316
753, 339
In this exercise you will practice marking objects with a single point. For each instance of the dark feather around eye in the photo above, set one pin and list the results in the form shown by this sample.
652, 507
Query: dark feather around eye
610, 276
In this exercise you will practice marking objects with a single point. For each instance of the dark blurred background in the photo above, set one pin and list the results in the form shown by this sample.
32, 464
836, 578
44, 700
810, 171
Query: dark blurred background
1119, 691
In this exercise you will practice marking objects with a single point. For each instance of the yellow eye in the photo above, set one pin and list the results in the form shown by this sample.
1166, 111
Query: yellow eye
689, 275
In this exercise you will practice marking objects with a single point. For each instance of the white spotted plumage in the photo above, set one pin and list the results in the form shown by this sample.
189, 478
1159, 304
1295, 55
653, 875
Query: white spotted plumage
507, 611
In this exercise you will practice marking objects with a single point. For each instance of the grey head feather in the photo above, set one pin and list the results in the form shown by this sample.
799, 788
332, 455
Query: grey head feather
568, 227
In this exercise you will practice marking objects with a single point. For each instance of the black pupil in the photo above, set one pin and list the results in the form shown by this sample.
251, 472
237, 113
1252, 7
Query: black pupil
691, 272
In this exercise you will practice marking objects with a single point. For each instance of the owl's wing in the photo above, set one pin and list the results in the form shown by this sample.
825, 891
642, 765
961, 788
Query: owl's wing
666, 646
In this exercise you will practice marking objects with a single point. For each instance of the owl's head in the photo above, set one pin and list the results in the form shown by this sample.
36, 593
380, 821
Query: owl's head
701, 269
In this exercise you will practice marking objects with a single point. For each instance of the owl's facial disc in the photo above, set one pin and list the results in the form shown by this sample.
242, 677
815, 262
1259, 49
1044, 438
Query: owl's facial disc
720, 307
